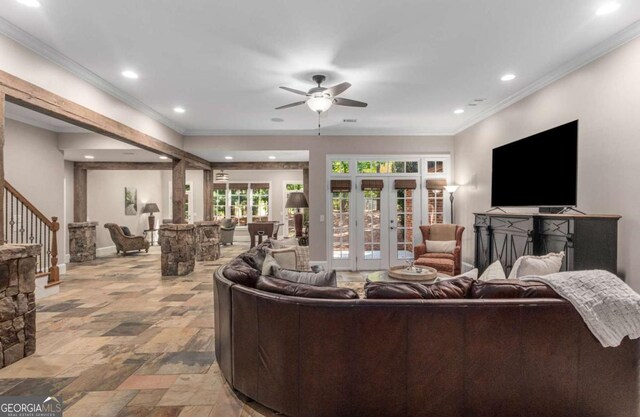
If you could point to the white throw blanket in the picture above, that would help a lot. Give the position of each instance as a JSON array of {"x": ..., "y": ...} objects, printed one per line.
[{"x": 609, "y": 307}]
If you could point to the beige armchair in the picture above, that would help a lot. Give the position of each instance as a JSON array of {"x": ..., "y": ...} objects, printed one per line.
[
  {"x": 125, "y": 243},
  {"x": 448, "y": 263}
]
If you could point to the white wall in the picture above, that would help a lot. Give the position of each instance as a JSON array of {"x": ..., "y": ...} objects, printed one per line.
[
  {"x": 605, "y": 97},
  {"x": 105, "y": 201},
  {"x": 35, "y": 167},
  {"x": 319, "y": 147}
]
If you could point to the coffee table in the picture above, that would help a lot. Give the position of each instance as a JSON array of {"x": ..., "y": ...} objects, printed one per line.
[{"x": 383, "y": 276}]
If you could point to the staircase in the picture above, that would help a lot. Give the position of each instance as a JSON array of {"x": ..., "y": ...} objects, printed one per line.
[{"x": 24, "y": 223}]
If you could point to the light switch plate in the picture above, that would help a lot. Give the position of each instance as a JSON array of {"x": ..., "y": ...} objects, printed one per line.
[{"x": 322, "y": 218}]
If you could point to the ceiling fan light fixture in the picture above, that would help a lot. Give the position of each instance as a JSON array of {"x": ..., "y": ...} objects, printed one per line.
[{"x": 319, "y": 104}]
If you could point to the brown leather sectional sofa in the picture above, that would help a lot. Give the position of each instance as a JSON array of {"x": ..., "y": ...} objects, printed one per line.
[{"x": 442, "y": 358}]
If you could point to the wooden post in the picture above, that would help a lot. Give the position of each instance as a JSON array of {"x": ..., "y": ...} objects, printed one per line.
[
  {"x": 305, "y": 182},
  {"x": 207, "y": 181},
  {"x": 54, "y": 270},
  {"x": 178, "y": 179},
  {"x": 79, "y": 194},
  {"x": 2, "y": 168}
]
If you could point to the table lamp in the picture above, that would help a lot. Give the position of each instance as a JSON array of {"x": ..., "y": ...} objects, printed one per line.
[
  {"x": 151, "y": 208},
  {"x": 297, "y": 200}
]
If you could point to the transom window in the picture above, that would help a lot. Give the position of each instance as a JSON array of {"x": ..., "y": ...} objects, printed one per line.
[{"x": 388, "y": 167}]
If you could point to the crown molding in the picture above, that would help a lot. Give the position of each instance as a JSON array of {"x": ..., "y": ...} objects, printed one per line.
[
  {"x": 314, "y": 132},
  {"x": 626, "y": 35},
  {"x": 36, "y": 45}
]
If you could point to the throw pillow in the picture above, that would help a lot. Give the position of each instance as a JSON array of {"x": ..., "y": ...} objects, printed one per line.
[
  {"x": 284, "y": 243},
  {"x": 285, "y": 258},
  {"x": 512, "y": 288},
  {"x": 537, "y": 265},
  {"x": 255, "y": 256},
  {"x": 494, "y": 271},
  {"x": 322, "y": 279},
  {"x": 241, "y": 273},
  {"x": 448, "y": 289},
  {"x": 304, "y": 258},
  {"x": 281, "y": 286},
  {"x": 440, "y": 246},
  {"x": 125, "y": 230},
  {"x": 269, "y": 265}
]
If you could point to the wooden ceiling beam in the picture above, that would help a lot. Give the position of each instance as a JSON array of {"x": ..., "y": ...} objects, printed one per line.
[
  {"x": 31, "y": 96},
  {"x": 130, "y": 166},
  {"x": 230, "y": 166}
]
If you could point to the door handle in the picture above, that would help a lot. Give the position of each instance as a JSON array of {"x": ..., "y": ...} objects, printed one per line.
[{"x": 391, "y": 227}]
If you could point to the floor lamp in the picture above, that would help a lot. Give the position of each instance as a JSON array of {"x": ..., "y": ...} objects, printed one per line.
[
  {"x": 451, "y": 189},
  {"x": 297, "y": 200}
]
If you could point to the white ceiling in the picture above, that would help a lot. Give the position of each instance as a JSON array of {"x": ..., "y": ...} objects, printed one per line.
[{"x": 413, "y": 61}]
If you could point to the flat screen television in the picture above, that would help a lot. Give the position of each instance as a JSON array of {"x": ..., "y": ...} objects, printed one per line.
[{"x": 537, "y": 171}]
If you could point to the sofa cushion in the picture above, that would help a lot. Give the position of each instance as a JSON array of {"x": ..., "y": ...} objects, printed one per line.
[
  {"x": 241, "y": 273},
  {"x": 126, "y": 231},
  {"x": 512, "y": 288},
  {"x": 440, "y": 246},
  {"x": 437, "y": 255},
  {"x": 281, "y": 286},
  {"x": 322, "y": 278},
  {"x": 448, "y": 289},
  {"x": 537, "y": 265}
]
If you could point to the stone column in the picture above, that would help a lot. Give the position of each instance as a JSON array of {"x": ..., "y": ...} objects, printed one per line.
[
  {"x": 207, "y": 241},
  {"x": 17, "y": 302},
  {"x": 178, "y": 248},
  {"x": 82, "y": 241}
]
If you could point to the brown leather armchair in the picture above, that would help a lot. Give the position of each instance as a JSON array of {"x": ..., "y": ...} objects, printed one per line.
[{"x": 449, "y": 263}]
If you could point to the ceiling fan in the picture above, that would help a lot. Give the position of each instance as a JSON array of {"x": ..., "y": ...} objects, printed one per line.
[{"x": 320, "y": 99}]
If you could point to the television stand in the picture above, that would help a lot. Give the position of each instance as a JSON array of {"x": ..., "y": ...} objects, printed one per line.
[
  {"x": 496, "y": 208},
  {"x": 571, "y": 209}
]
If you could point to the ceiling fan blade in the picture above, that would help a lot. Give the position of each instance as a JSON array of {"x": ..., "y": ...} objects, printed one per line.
[
  {"x": 350, "y": 103},
  {"x": 286, "y": 106},
  {"x": 337, "y": 89},
  {"x": 293, "y": 90}
]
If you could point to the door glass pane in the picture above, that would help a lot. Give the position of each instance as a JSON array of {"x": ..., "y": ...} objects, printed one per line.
[
  {"x": 340, "y": 222},
  {"x": 238, "y": 206},
  {"x": 260, "y": 205},
  {"x": 372, "y": 213},
  {"x": 435, "y": 206},
  {"x": 404, "y": 208},
  {"x": 219, "y": 204}
]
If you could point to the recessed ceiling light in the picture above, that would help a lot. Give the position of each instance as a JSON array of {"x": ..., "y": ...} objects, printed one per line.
[
  {"x": 607, "y": 8},
  {"x": 163, "y": 157},
  {"x": 272, "y": 157},
  {"x": 89, "y": 157},
  {"x": 179, "y": 109},
  {"x": 228, "y": 157},
  {"x": 130, "y": 74},
  {"x": 458, "y": 111},
  {"x": 30, "y": 3},
  {"x": 508, "y": 77}
]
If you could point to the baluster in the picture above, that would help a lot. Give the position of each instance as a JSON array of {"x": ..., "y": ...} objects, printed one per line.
[{"x": 54, "y": 272}]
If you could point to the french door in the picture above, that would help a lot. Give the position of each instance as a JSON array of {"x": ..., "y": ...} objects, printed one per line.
[{"x": 387, "y": 220}]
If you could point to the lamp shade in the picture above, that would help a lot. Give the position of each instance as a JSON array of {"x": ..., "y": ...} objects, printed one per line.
[
  {"x": 451, "y": 188},
  {"x": 296, "y": 200},
  {"x": 150, "y": 208}
]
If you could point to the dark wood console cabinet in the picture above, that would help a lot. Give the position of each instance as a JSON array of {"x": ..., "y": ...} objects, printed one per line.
[{"x": 589, "y": 241}]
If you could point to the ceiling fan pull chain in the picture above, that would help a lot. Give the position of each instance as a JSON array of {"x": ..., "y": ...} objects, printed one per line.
[{"x": 318, "y": 124}]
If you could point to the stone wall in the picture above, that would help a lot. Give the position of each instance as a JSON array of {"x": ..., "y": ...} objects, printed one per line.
[
  {"x": 17, "y": 302},
  {"x": 82, "y": 241},
  {"x": 178, "y": 248},
  {"x": 208, "y": 241}
]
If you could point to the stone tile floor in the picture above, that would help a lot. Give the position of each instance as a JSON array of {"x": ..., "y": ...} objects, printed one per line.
[{"x": 119, "y": 340}]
